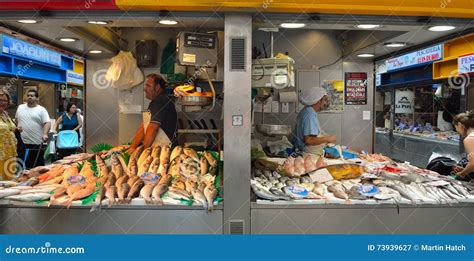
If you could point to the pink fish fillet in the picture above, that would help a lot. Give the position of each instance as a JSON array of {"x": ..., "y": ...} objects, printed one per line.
[
  {"x": 289, "y": 166},
  {"x": 299, "y": 166},
  {"x": 310, "y": 163}
]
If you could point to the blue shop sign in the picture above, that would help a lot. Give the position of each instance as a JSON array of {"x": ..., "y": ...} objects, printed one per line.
[
  {"x": 75, "y": 78},
  {"x": 20, "y": 48},
  {"x": 423, "y": 56}
]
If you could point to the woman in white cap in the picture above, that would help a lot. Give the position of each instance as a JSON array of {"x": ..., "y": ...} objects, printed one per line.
[{"x": 310, "y": 137}]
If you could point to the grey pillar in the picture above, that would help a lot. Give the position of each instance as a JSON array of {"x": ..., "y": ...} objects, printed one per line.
[{"x": 237, "y": 122}]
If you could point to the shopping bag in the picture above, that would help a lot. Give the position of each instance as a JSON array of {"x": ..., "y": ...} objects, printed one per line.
[{"x": 124, "y": 73}]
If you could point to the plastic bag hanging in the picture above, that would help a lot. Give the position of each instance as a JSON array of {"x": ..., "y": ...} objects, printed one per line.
[{"x": 124, "y": 73}]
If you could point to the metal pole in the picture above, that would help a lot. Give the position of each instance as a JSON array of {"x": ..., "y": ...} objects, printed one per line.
[
  {"x": 392, "y": 114},
  {"x": 237, "y": 124},
  {"x": 271, "y": 45}
]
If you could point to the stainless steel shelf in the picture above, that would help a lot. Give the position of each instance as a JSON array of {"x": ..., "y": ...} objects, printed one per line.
[{"x": 193, "y": 131}]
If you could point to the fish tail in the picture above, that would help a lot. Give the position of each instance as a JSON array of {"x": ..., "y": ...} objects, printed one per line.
[
  {"x": 69, "y": 203},
  {"x": 51, "y": 200},
  {"x": 210, "y": 207},
  {"x": 100, "y": 204}
]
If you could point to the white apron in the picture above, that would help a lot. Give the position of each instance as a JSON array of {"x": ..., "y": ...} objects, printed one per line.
[{"x": 161, "y": 138}]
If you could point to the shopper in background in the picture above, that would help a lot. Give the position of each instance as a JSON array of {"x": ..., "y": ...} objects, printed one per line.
[
  {"x": 310, "y": 137},
  {"x": 464, "y": 124},
  {"x": 8, "y": 162},
  {"x": 160, "y": 121},
  {"x": 70, "y": 120},
  {"x": 35, "y": 121}
]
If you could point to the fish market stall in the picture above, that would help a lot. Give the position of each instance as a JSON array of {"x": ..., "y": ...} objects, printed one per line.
[
  {"x": 356, "y": 193},
  {"x": 176, "y": 189},
  {"x": 153, "y": 190},
  {"x": 416, "y": 102}
]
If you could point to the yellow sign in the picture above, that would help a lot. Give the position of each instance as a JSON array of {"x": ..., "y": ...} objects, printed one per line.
[{"x": 442, "y": 8}]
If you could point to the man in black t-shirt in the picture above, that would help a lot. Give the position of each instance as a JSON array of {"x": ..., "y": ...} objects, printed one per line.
[{"x": 162, "y": 124}]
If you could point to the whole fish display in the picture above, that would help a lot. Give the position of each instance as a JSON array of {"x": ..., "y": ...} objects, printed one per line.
[
  {"x": 210, "y": 192},
  {"x": 117, "y": 169},
  {"x": 165, "y": 155},
  {"x": 135, "y": 190},
  {"x": 110, "y": 180},
  {"x": 98, "y": 199},
  {"x": 155, "y": 165},
  {"x": 176, "y": 152},
  {"x": 122, "y": 192},
  {"x": 103, "y": 170},
  {"x": 156, "y": 174},
  {"x": 9, "y": 192},
  {"x": 144, "y": 156},
  {"x": 110, "y": 194},
  {"x": 30, "y": 197},
  {"x": 155, "y": 152},
  {"x": 81, "y": 193},
  {"x": 191, "y": 153},
  {"x": 199, "y": 196},
  {"x": 121, "y": 180},
  {"x": 144, "y": 165},
  {"x": 146, "y": 191},
  {"x": 157, "y": 192},
  {"x": 114, "y": 150},
  {"x": 338, "y": 190},
  {"x": 392, "y": 181}
]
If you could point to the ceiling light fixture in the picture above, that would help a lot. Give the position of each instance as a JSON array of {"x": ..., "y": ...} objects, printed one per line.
[
  {"x": 168, "y": 22},
  {"x": 395, "y": 44},
  {"x": 292, "y": 25},
  {"x": 441, "y": 28},
  {"x": 367, "y": 26},
  {"x": 98, "y": 22},
  {"x": 95, "y": 51},
  {"x": 28, "y": 21},
  {"x": 365, "y": 55},
  {"x": 68, "y": 39}
]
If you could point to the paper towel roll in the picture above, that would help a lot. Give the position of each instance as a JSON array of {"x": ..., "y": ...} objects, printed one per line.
[{"x": 288, "y": 97}]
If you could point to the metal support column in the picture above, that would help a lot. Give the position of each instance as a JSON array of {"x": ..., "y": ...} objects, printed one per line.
[
  {"x": 237, "y": 122},
  {"x": 392, "y": 113}
]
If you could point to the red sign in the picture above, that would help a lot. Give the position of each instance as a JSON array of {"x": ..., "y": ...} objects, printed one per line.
[
  {"x": 58, "y": 5},
  {"x": 355, "y": 89}
]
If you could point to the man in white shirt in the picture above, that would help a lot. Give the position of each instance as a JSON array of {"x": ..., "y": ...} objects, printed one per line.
[{"x": 35, "y": 121}]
